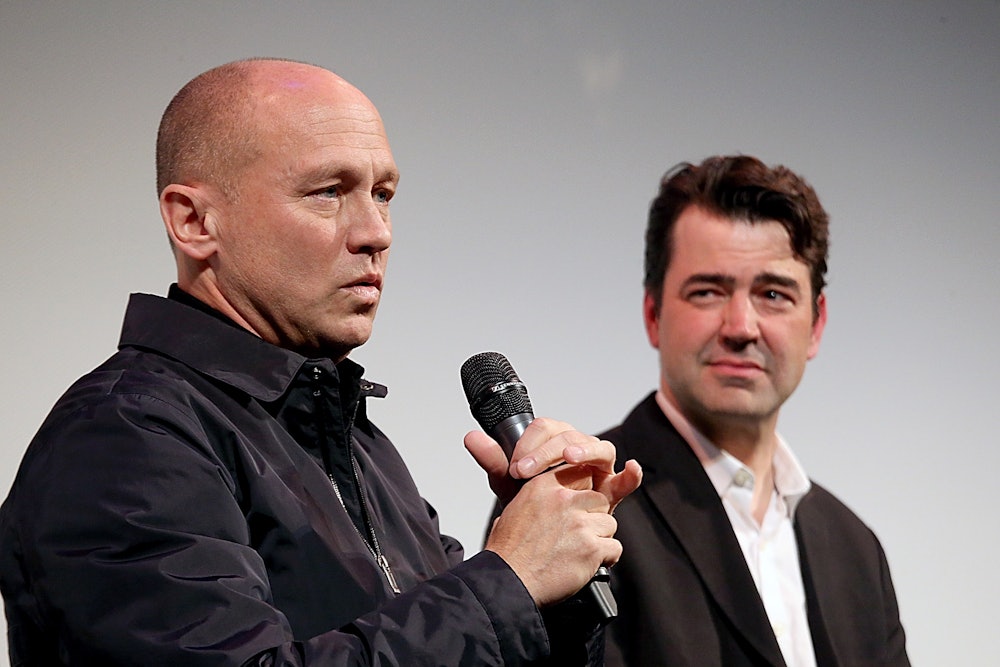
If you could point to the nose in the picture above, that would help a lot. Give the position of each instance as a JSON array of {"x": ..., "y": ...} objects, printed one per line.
[
  {"x": 739, "y": 323},
  {"x": 370, "y": 229}
]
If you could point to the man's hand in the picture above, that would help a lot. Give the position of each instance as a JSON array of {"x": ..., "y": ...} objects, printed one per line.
[
  {"x": 556, "y": 528},
  {"x": 547, "y": 443}
]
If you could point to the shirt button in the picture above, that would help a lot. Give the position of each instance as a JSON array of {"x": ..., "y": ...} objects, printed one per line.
[
  {"x": 779, "y": 630},
  {"x": 742, "y": 478}
]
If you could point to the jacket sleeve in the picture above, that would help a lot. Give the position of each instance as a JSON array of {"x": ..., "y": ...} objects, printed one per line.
[
  {"x": 576, "y": 633},
  {"x": 133, "y": 546},
  {"x": 853, "y": 611},
  {"x": 895, "y": 646}
]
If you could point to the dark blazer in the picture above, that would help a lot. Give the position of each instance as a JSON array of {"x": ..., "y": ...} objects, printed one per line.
[{"x": 685, "y": 594}]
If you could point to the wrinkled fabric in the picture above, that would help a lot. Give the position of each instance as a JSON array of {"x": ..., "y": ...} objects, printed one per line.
[{"x": 174, "y": 509}]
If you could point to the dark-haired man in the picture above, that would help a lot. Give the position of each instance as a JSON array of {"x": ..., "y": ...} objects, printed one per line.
[
  {"x": 732, "y": 555},
  {"x": 215, "y": 494}
]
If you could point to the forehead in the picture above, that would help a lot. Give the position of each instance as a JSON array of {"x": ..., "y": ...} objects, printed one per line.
[
  {"x": 317, "y": 112},
  {"x": 703, "y": 242},
  {"x": 352, "y": 126}
]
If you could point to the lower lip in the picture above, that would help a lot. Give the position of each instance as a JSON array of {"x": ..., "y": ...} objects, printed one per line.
[
  {"x": 736, "y": 371},
  {"x": 366, "y": 292}
]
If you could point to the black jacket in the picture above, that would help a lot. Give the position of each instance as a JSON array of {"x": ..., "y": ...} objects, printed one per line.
[
  {"x": 685, "y": 594},
  {"x": 176, "y": 508}
]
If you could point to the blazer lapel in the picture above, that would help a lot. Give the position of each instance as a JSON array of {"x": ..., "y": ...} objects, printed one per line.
[{"x": 681, "y": 492}]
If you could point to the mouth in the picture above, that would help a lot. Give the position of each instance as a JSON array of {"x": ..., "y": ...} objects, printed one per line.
[
  {"x": 736, "y": 367},
  {"x": 368, "y": 287}
]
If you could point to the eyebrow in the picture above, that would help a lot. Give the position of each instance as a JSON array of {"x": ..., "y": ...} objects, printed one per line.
[
  {"x": 389, "y": 176},
  {"x": 768, "y": 278},
  {"x": 340, "y": 171},
  {"x": 727, "y": 281},
  {"x": 720, "y": 279}
]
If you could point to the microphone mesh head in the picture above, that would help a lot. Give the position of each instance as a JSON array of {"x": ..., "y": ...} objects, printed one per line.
[{"x": 493, "y": 389}]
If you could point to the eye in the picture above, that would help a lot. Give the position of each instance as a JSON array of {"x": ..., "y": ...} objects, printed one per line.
[
  {"x": 704, "y": 295},
  {"x": 382, "y": 196},
  {"x": 329, "y": 192},
  {"x": 776, "y": 299}
]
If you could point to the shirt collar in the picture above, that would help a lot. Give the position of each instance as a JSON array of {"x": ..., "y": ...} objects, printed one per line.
[{"x": 725, "y": 470}]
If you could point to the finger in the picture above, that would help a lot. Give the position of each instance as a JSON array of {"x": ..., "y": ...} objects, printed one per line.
[
  {"x": 613, "y": 552},
  {"x": 606, "y": 525},
  {"x": 539, "y": 450},
  {"x": 589, "y": 451},
  {"x": 576, "y": 478},
  {"x": 534, "y": 446},
  {"x": 594, "y": 502},
  {"x": 617, "y": 487},
  {"x": 605, "y": 547},
  {"x": 487, "y": 453},
  {"x": 603, "y": 527},
  {"x": 621, "y": 485}
]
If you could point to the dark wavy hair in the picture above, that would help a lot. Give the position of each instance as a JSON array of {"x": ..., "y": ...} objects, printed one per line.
[{"x": 738, "y": 187}]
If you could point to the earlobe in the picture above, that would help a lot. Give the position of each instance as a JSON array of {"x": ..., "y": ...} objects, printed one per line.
[
  {"x": 651, "y": 318},
  {"x": 188, "y": 219}
]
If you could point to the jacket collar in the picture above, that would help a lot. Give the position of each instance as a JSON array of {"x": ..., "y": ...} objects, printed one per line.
[{"x": 212, "y": 346}]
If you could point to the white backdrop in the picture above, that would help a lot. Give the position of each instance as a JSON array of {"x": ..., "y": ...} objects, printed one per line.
[{"x": 531, "y": 136}]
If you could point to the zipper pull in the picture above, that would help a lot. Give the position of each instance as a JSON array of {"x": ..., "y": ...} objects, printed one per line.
[{"x": 384, "y": 564}]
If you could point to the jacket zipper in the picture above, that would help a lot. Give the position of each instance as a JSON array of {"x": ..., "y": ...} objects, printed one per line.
[{"x": 372, "y": 540}]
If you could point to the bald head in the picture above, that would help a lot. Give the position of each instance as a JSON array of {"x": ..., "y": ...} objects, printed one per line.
[
  {"x": 211, "y": 130},
  {"x": 275, "y": 179}
]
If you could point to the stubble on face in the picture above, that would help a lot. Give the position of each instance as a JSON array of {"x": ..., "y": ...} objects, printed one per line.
[
  {"x": 734, "y": 327},
  {"x": 305, "y": 242}
]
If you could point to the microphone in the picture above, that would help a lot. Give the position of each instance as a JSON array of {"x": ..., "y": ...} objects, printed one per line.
[{"x": 499, "y": 402}]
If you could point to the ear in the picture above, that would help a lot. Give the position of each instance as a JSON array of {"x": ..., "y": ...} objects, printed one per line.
[
  {"x": 190, "y": 220},
  {"x": 651, "y": 318},
  {"x": 818, "y": 325}
]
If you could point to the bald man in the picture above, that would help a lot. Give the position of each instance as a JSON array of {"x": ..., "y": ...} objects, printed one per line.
[{"x": 215, "y": 494}]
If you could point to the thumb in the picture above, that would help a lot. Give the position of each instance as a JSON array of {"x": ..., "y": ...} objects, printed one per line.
[
  {"x": 487, "y": 453},
  {"x": 491, "y": 458}
]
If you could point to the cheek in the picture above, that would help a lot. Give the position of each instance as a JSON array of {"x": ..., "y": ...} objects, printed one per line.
[
  {"x": 680, "y": 347},
  {"x": 692, "y": 329},
  {"x": 792, "y": 346},
  {"x": 296, "y": 247}
]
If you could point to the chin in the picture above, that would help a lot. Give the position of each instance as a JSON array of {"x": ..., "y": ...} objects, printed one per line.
[
  {"x": 342, "y": 343},
  {"x": 737, "y": 407}
]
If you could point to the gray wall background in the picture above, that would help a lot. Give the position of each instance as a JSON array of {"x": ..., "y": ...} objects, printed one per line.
[{"x": 531, "y": 136}]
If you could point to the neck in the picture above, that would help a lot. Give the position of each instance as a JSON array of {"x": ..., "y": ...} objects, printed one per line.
[
  {"x": 754, "y": 446},
  {"x": 206, "y": 291}
]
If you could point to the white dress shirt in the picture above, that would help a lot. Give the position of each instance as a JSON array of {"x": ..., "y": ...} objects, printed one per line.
[{"x": 769, "y": 548}]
